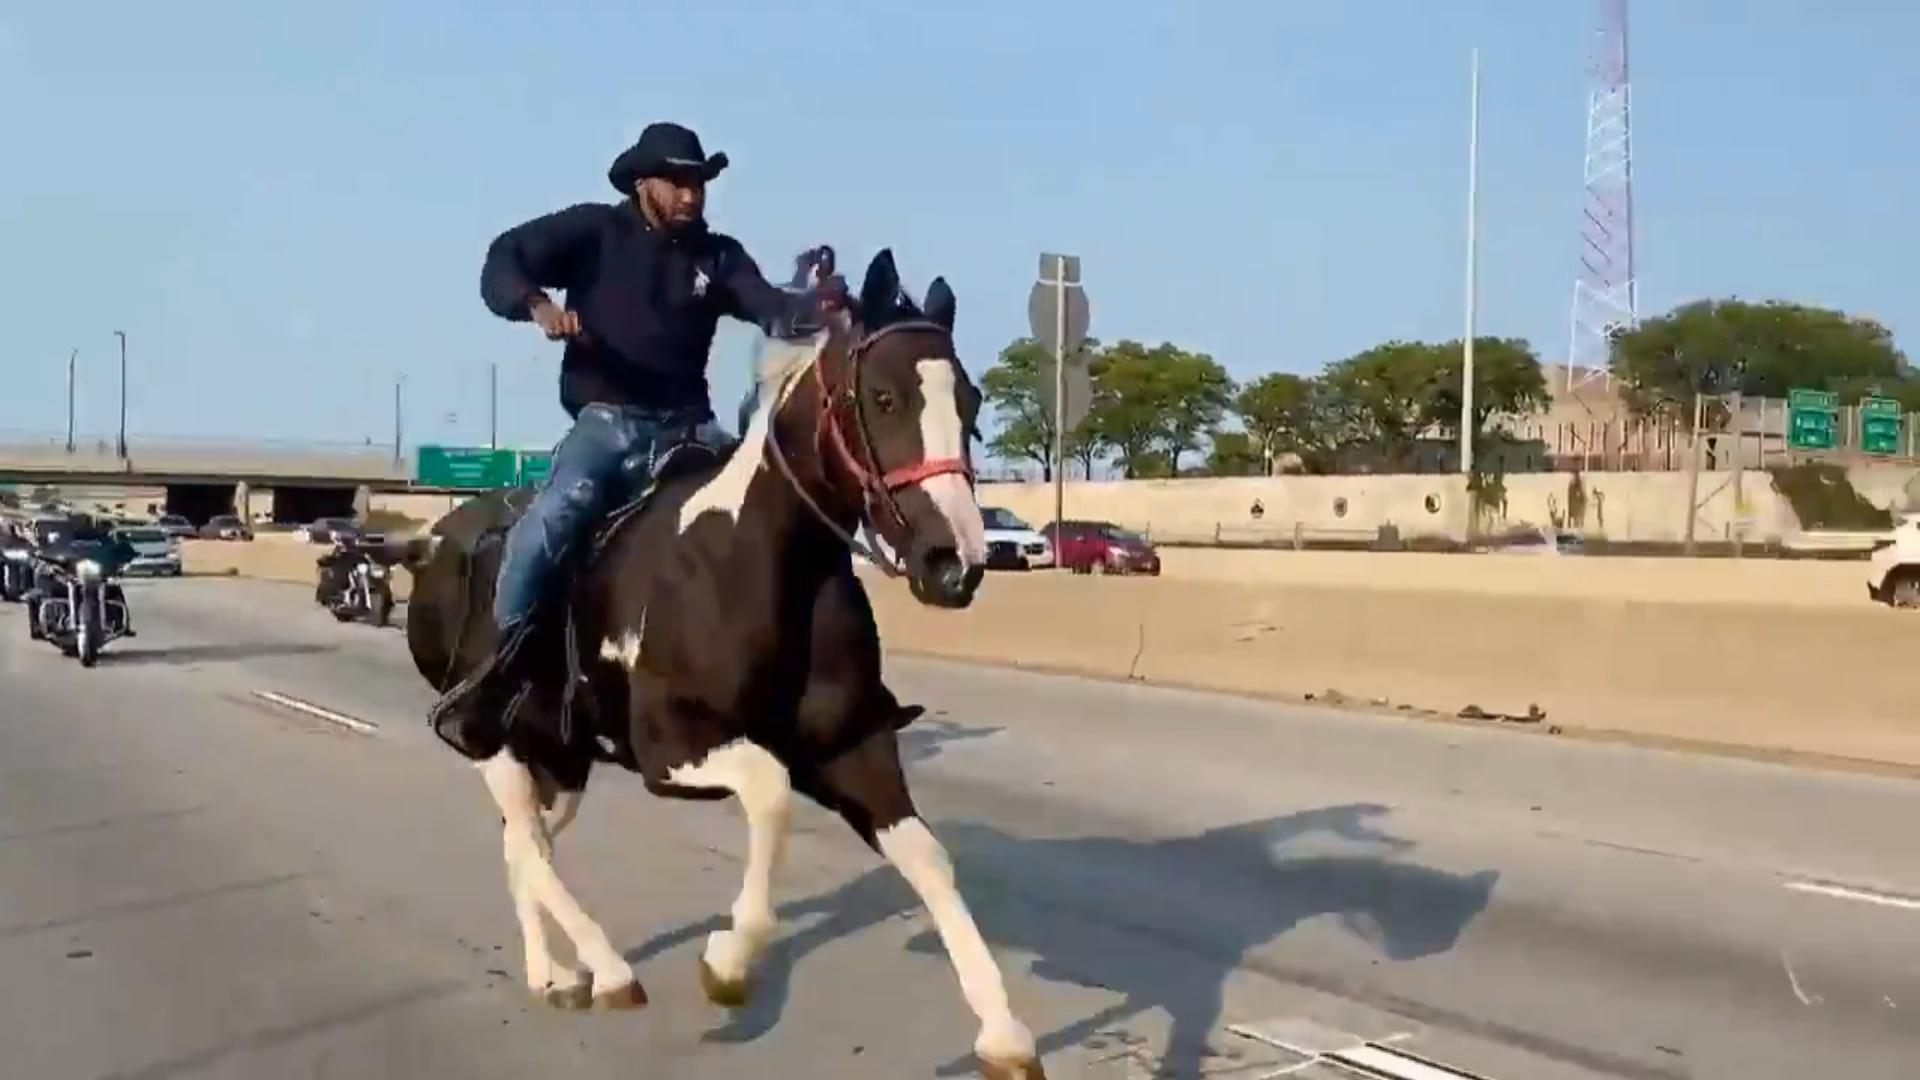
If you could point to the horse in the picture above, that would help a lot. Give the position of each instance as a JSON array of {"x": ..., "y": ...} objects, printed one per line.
[{"x": 717, "y": 642}]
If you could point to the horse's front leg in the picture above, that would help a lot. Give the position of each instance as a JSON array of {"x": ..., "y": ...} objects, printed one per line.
[
  {"x": 869, "y": 789},
  {"x": 760, "y": 782},
  {"x": 527, "y": 846}
]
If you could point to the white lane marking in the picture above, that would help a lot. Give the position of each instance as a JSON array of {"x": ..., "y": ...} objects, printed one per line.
[
  {"x": 353, "y": 724},
  {"x": 1851, "y": 892},
  {"x": 1793, "y": 981},
  {"x": 1379, "y": 1061}
]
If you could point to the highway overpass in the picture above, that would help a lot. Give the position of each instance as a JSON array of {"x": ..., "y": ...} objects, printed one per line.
[{"x": 263, "y": 480}]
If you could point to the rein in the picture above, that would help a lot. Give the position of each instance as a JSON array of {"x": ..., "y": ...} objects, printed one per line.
[{"x": 876, "y": 485}]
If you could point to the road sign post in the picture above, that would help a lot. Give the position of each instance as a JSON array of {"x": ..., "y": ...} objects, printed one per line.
[{"x": 1059, "y": 317}]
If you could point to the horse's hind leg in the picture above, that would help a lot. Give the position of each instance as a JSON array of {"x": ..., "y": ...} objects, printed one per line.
[
  {"x": 528, "y": 849},
  {"x": 868, "y": 788},
  {"x": 766, "y": 797}
]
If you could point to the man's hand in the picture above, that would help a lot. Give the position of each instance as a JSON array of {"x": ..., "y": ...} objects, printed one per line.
[
  {"x": 832, "y": 291},
  {"x": 555, "y": 321}
]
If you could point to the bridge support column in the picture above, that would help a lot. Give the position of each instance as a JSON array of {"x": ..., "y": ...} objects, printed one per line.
[
  {"x": 243, "y": 502},
  {"x": 362, "y": 502}
]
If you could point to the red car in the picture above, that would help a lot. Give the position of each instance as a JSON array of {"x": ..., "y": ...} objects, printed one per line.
[{"x": 1101, "y": 547}]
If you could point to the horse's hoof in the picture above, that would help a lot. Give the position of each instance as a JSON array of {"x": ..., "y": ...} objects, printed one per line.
[
  {"x": 628, "y": 996},
  {"x": 1025, "y": 1069},
  {"x": 571, "y": 998},
  {"x": 726, "y": 993}
]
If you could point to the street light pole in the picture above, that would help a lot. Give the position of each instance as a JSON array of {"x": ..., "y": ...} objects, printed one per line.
[
  {"x": 121, "y": 445},
  {"x": 71, "y": 358},
  {"x": 1473, "y": 273},
  {"x": 493, "y": 405},
  {"x": 396, "y": 419}
]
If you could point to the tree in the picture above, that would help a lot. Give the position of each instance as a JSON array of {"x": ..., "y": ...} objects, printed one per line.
[
  {"x": 1507, "y": 381},
  {"x": 1765, "y": 349},
  {"x": 1195, "y": 393},
  {"x": 1278, "y": 411},
  {"x": 1012, "y": 387},
  {"x": 1151, "y": 405},
  {"x": 1127, "y": 406},
  {"x": 1382, "y": 396},
  {"x": 1235, "y": 453}
]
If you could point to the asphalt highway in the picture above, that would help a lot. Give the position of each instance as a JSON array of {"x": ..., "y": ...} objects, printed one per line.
[{"x": 198, "y": 881}]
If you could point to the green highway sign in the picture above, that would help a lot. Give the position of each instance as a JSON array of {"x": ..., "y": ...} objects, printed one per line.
[
  {"x": 1813, "y": 399},
  {"x": 535, "y": 467},
  {"x": 1810, "y": 416},
  {"x": 465, "y": 467},
  {"x": 1880, "y": 426}
]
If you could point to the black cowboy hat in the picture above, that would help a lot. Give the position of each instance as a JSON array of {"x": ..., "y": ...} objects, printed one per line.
[{"x": 663, "y": 149}]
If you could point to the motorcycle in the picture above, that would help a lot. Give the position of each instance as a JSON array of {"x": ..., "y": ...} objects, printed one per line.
[
  {"x": 353, "y": 584},
  {"x": 76, "y": 604}
]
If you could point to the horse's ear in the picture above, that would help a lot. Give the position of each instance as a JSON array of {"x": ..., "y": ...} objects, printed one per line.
[
  {"x": 880, "y": 293},
  {"x": 940, "y": 304}
]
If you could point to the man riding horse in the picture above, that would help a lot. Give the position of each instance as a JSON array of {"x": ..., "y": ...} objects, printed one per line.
[{"x": 646, "y": 282}]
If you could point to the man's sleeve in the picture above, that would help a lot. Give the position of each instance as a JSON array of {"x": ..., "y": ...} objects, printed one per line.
[
  {"x": 550, "y": 252},
  {"x": 750, "y": 298}
]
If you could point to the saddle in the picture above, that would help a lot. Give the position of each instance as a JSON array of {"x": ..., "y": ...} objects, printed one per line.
[{"x": 674, "y": 457}]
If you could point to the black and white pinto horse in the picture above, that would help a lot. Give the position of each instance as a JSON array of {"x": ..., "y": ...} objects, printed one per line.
[{"x": 717, "y": 642}]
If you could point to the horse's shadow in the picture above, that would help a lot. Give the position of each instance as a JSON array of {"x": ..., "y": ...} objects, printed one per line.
[{"x": 1163, "y": 923}]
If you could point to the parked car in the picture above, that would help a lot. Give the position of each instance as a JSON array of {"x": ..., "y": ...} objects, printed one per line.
[
  {"x": 154, "y": 552},
  {"x": 225, "y": 527},
  {"x": 330, "y": 530},
  {"x": 1893, "y": 569},
  {"x": 176, "y": 526},
  {"x": 1012, "y": 544},
  {"x": 1539, "y": 541},
  {"x": 1101, "y": 547}
]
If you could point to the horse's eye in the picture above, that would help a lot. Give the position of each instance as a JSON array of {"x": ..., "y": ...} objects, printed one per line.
[{"x": 884, "y": 399}]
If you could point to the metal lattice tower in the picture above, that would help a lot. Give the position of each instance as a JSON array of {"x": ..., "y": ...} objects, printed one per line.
[{"x": 1605, "y": 294}]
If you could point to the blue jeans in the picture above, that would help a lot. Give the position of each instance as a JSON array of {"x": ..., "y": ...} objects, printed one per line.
[{"x": 604, "y": 460}]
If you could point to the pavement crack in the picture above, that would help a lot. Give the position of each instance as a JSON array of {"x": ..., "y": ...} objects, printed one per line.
[
  {"x": 27, "y": 835},
  {"x": 141, "y": 907}
]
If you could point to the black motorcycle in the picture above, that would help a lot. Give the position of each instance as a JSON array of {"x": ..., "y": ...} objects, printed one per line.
[
  {"x": 76, "y": 603},
  {"x": 355, "y": 583}
]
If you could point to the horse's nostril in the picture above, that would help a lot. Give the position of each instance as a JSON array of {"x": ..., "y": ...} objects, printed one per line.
[{"x": 946, "y": 570}]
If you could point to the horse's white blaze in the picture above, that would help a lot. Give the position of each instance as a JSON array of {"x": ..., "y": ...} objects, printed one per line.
[
  {"x": 765, "y": 794},
  {"x": 535, "y": 885},
  {"x": 726, "y": 493},
  {"x": 911, "y": 847},
  {"x": 943, "y": 436}
]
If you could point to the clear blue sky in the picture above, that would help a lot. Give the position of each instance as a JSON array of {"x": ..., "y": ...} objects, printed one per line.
[{"x": 284, "y": 210}]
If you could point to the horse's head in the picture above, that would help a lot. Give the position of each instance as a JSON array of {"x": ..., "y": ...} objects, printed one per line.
[{"x": 896, "y": 414}]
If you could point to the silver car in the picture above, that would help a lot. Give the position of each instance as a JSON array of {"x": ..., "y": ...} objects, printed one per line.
[{"x": 154, "y": 551}]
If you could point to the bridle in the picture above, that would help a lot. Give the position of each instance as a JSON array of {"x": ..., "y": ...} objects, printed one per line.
[{"x": 840, "y": 407}]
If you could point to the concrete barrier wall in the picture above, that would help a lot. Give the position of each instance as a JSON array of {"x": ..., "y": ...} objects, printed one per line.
[
  {"x": 1778, "y": 656},
  {"x": 1624, "y": 507},
  {"x": 1818, "y": 680}
]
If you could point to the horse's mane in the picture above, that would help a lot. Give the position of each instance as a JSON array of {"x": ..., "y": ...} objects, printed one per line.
[{"x": 780, "y": 358}]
